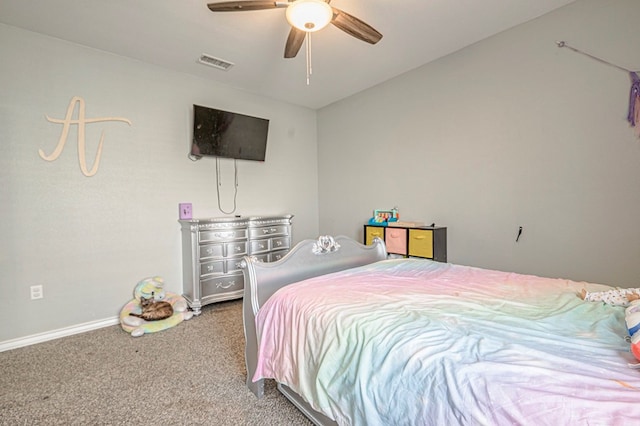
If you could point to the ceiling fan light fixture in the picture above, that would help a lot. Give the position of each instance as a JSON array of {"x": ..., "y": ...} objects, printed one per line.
[{"x": 309, "y": 15}]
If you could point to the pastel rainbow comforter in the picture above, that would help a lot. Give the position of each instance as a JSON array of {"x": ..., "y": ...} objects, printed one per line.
[{"x": 415, "y": 342}]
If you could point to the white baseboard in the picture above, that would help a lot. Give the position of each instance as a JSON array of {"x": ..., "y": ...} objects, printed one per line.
[{"x": 56, "y": 334}]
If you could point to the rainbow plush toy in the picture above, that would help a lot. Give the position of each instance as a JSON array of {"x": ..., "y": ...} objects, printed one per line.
[
  {"x": 152, "y": 287},
  {"x": 632, "y": 319}
]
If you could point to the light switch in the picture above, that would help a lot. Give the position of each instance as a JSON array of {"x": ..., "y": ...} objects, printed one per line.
[{"x": 185, "y": 210}]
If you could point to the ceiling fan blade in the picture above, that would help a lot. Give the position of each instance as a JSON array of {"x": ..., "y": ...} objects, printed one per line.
[
  {"x": 355, "y": 27},
  {"x": 294, "y": 42},
  {"x": 235, "y": 6}
]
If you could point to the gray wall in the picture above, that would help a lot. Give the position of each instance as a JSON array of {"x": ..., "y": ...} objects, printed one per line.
[
  {"x": 509, "y": 132},
  {"x": 88, "y": 240}
]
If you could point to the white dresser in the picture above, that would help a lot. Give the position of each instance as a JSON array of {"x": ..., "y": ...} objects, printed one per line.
[{"x": 212, "y": 250}]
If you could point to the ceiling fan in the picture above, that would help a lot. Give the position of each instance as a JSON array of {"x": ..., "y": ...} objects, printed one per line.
[{"x": 305, "y": 16}]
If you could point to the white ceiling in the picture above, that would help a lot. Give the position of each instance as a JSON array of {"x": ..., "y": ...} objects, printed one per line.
[{"x": 174, "y": 33}]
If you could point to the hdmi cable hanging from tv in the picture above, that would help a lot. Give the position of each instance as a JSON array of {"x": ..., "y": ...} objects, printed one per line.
[{"x": 219, "y": 184}]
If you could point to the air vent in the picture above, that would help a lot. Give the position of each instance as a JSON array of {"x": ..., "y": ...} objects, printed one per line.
[{"x": 215, "y": 62}]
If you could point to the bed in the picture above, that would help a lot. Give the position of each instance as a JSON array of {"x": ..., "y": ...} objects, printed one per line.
[{"x": 354, "y": 338}]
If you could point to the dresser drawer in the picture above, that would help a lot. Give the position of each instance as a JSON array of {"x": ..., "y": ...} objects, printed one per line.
[
  {"x": 268, "y": 244},
  {"x": 238, "y": 248},
  {"x": 212, "y": 267},
  {"x": 262, "y": 257},
  {"x": 277, "y": 255},
  {"x": 221, "y": 284},
  {"x": 280, "y": 243},
  {"x": 222, "y": 235},
  {"x": 268, "y": 231},
  {"x": 234, "y": 264},
  {"x": 208, "y": 251},
  {"x": 259, "y": 246},
  {"x": 421, "y": 243}
]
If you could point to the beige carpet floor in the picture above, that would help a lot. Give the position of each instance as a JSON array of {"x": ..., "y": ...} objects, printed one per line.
[{"x": 191, "y": 374}]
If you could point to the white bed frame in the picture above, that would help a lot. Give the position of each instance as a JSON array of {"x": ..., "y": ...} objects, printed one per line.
[{"x": 307, "y": 259}]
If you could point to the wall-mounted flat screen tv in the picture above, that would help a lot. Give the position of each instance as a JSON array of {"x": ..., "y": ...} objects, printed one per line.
[{"x": 228, "y": 134}]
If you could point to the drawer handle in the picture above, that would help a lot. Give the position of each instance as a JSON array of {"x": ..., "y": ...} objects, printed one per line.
[
  {"x": 224, "y": 234},
  {"x": 278, "y": 243},
  {"x": 419, "y": 238},
  {"x": 222, "y": 284},
  {"x": 238, "y": 249}
]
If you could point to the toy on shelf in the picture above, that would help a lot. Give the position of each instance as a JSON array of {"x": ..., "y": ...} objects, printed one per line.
[{"x": 384, "y": 217}]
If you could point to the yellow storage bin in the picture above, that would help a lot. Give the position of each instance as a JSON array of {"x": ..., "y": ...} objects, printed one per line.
[
  {"x": 372, "y": 232},
  {"x": 421, "y": 243}
]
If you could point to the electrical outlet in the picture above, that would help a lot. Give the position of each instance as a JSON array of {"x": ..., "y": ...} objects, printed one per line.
[
  {"x": 36, "y": 292},
  {"x": 185, "y": 210}
]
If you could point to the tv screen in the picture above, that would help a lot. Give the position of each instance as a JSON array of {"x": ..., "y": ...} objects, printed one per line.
[{"x": 227, "y": 134}]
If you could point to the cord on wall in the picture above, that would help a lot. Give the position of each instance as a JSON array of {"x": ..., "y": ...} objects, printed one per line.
[{"x": 219, "y": 184}]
